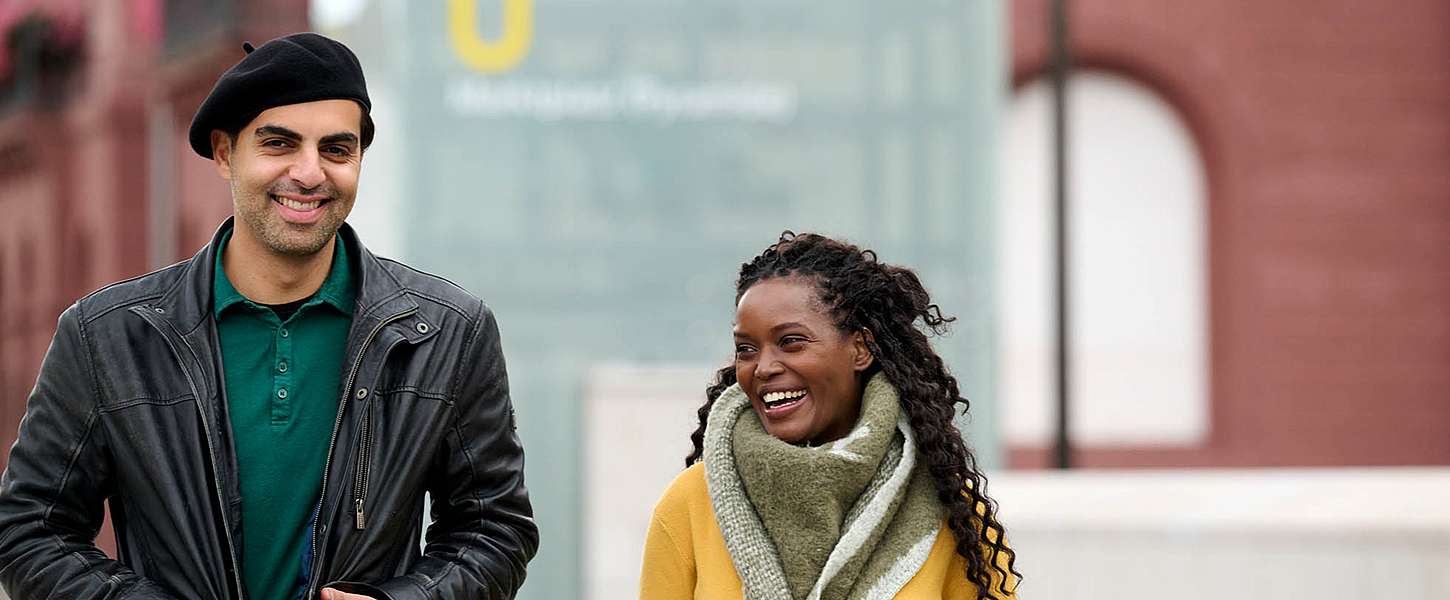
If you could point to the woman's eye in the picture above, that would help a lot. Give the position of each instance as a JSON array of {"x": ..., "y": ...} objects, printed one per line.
[
  {"x": 791, "y": 341},
  {"x": 743, "y": 349}
]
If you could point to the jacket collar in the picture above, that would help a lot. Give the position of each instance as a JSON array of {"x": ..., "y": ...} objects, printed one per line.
[
  {"x": 337, "y": 289},
  {"x": 188, "y": 302}
]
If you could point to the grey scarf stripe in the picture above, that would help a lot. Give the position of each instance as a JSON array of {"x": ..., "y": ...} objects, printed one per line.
[
  {"x": 887, "y": 534},
  {"x": 761, "y": 574}
]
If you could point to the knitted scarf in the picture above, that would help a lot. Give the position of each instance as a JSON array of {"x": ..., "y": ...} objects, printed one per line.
[{"x": 853, "y": 519}]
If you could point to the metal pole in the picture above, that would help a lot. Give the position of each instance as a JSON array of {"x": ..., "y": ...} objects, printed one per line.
[{"x": 1057, "y": 29}]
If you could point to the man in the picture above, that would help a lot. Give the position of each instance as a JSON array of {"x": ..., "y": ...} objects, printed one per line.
[{"x": 266, "y": 417}]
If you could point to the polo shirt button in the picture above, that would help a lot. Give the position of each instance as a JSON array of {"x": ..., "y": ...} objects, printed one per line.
[
  {"x": 282, "y": 393},
  {"x": 282, "y": 367},
  {"x": 283, "y": 333}
]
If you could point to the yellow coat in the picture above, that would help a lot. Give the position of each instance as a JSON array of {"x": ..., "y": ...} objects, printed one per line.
[{"x": 685, "y": 555}]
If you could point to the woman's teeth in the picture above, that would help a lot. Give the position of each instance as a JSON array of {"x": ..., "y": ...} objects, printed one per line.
[{"x": 783, "y": 397}]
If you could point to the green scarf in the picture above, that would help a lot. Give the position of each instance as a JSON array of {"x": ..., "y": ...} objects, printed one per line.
[{"x": 853, "y": 519}]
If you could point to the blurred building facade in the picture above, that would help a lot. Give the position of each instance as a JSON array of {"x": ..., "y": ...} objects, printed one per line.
[
  {"x": 1295, "y": 152},
  {"x": 1323, "y": 133},
  {"x": 96, "y": 179},
  {"x": 598, "y": 170}
]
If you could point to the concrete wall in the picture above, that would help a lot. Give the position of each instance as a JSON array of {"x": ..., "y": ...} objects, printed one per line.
[
  {"x": 1325, "y": 534},
  {"x": 637, "y": 423}
]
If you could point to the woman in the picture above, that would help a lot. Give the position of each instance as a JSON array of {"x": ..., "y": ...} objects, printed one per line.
[{"x": 826, "y": 464}]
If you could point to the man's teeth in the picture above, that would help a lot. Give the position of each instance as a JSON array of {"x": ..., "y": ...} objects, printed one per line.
[
  {"x": 295, "y": 205},
  {"x": 782, "y": 396}
]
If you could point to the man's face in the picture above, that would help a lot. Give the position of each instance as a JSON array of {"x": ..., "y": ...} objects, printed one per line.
[{"x": 293, "y": 172}]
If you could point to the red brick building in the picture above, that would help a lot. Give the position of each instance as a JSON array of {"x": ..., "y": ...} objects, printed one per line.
[
  {"x": 97, "y": 183},
  {"x": 1324, "y": 128}
]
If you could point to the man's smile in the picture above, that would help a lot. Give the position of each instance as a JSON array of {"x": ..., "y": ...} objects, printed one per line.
[{"x": 299, "y": 209}]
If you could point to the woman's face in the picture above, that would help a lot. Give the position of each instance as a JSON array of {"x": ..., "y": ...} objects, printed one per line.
[{"x": 801, "y": 373}]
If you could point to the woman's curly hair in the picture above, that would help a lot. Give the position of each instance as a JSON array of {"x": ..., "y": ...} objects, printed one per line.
[{"x": 888, "y": 301}]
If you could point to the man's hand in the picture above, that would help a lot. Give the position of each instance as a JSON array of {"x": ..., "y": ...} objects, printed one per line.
[{"x": 331, "y": 594}]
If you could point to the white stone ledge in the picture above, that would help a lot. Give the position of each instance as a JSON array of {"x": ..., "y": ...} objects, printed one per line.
[{"x": 1326, "y": 534}]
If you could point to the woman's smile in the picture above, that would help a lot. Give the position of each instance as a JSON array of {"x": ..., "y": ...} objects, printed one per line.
[{"x": 779, "y": 405}]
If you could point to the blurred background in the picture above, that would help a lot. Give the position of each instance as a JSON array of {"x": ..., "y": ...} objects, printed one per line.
[{"x": 1258, "y": 218}]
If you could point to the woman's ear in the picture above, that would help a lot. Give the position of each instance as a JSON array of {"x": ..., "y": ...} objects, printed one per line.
[{"x": 861, "y": 352}]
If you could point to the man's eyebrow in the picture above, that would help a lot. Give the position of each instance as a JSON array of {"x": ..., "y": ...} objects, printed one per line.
[
  {"x": 279, "y": 131},
  {"x": 345, "y": 137}
]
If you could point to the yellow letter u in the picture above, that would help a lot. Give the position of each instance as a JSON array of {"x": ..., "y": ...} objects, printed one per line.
[{"x": 496, "y": 56}]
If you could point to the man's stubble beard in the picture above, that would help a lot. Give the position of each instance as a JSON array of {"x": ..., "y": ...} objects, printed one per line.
[{"x": 279, "y": 236}]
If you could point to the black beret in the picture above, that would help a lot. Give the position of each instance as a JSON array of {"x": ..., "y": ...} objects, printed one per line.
[{"x": 302, "y": 67}]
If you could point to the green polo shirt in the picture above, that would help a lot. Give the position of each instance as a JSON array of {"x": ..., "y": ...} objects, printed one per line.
[{"x": 282, "y": 380}]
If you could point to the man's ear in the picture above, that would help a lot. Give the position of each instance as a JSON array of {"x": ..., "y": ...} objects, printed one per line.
[
  {"x": 221, "y": 153},
  {"x": 861, "y": 353}
]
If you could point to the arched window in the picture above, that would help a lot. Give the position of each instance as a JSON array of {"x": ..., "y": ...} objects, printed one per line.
[{"x": 1136, "y": 261}]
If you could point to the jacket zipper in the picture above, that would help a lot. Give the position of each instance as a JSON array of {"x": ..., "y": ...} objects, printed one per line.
[
  {"x": 364, "y": 456},
  {"x": 365, "y": 451},
  {"x": 210, "y": 449},
  {"x": 332, "y": 443}
]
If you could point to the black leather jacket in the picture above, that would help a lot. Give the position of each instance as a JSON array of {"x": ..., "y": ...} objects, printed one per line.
[{"x": 130, "y": 406}]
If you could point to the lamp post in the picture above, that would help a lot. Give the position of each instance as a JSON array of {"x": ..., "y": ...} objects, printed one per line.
[{"x": 1060, "y": 64}]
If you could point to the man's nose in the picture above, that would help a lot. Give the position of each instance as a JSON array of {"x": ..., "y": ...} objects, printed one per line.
[{"x": 307, "y": 171}]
